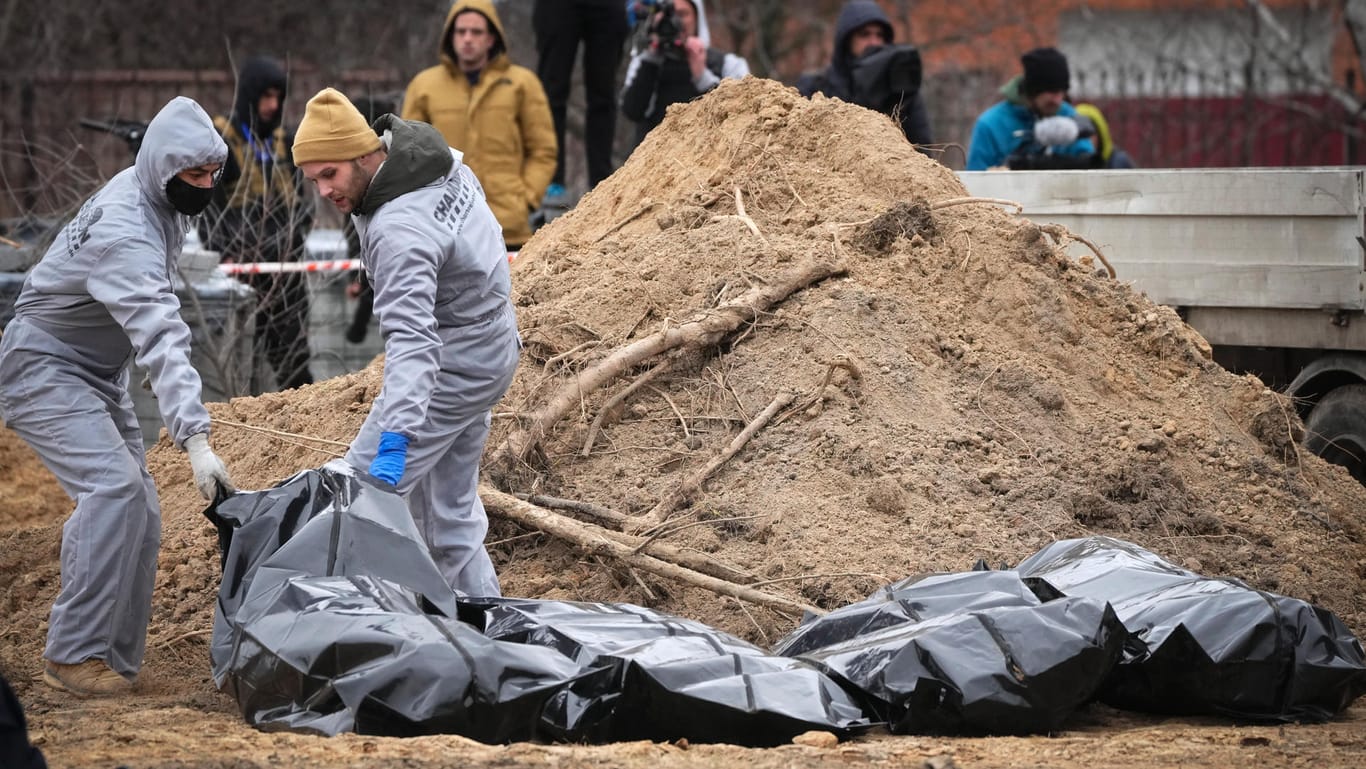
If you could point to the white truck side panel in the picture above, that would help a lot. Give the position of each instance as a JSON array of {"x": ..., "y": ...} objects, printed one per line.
[{"x": 1247, "y": 238}]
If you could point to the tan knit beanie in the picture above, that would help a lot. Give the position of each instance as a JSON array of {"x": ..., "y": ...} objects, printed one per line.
[{"x": 332, "y": 130}]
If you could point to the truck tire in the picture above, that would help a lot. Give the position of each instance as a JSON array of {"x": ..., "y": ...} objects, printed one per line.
[{"x": 1336, "y": 429}]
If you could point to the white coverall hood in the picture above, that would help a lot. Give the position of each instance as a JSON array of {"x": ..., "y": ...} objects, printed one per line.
[{"x": 181, "y": 136}]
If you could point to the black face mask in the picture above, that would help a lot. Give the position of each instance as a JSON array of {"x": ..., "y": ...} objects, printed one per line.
[{"x": 187, "y": 198}]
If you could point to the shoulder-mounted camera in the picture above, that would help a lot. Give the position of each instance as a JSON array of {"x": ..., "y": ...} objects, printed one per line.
[{"x": 885, "y": 76}]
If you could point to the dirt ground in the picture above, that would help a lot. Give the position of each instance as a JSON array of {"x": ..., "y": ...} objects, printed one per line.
[{"x": 965, "y": 387}]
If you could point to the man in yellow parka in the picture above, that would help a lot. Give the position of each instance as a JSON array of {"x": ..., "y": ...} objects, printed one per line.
[{"x": 493, "y": 111}]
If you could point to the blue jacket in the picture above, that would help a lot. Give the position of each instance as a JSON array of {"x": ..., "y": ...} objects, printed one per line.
[{"x": 1007, "y": 125}]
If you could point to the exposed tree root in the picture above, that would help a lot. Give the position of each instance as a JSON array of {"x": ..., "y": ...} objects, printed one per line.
[
  {"x": 596, "y": 541},
  {"x": 666, "y": 506},
  {"x": 704, "y": 329},
  {"x": 686, "y": 558}
]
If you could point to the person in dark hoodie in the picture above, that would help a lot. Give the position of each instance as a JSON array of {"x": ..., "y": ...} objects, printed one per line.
[
  {"x": 861, "y": 32},
  {"x": 260, "y": 215},
  {"x": 435, "y": 257}
]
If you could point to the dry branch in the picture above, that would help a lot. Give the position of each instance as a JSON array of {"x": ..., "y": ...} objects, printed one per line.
[
  {"x": 595, "y": 541},
  {"x": 665, "y": 507},
  {"x": 704, "y": 329},
  {"x": 691, "y": 560},
  {"x": 1063, "y": 235},
  {"x": 661, "y": 531},
  {"x": 589, "y": 509},
  {"x": 646, "y": 206},
  {"x": 841, "y": 361},
  {"x": 949, "y": 203},
  {"x": 616, "y": 400},
  {"x": 744, "y": 217}
]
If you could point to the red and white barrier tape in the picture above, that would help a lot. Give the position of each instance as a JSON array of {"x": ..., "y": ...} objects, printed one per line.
[
  {"x": 323, "y": 265},
  {"x": 262, "y": 268}
]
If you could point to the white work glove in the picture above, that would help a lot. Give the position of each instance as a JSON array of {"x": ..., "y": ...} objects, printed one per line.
[
  {"x": 209, "y": 470},
  {"x": 1056, "y": 130}
]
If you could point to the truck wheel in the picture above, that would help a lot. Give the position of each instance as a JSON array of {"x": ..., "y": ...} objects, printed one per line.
[{"x": 1336, "y": 429}]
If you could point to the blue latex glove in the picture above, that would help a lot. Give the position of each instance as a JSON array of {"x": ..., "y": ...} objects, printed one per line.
[{"x": 393, "y": 455}]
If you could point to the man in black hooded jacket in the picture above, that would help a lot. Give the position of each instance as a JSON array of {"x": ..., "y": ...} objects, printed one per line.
[
  {"x": 862, "y": 30},
  {"x": 260, "y": 214}
]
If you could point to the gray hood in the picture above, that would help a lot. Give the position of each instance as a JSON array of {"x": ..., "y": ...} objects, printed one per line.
[{"x": 181, "y": 136}]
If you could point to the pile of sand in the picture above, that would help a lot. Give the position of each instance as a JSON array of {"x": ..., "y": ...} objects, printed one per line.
[{"x": 992, "y": 394}]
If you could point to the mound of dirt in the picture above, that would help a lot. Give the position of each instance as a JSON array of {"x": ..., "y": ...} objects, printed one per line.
[
  {"x": 967, "y": 389},
  {"x": 959, "y": 387}
]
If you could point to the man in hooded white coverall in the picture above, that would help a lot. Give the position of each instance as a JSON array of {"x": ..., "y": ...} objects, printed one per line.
[{"x": 100, "y": 297}]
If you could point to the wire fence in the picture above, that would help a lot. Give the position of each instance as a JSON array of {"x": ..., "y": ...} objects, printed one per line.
[
  {"x": 1164, "y": 117},
  {"x": 49, "y": 162}
]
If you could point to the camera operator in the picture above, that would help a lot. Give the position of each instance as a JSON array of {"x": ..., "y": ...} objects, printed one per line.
[
  {"x": 1020, "y": 132},
  {"x": 675, "y": 62},
  {"x": 868, "y": 70}
]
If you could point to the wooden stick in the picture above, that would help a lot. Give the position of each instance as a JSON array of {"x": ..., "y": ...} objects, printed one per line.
[
  {"x": 686, "y": 432},
  {"x": 840, "y": 361},
  {"x": 702, "y": 330},
  {"x": 276, "y": 433},
  {"x": 674, "y": 498},
  {"x": 577, "y": 348},
  {"x": 589, "y": 509},
  {"x": 184, "y": 637},
  {"x": 963, "y": 201},
  {"x": 800, "y": 577},
  {"x": 593, "y": 541},
  {"x": 663, "y": 532},
  {"x": 753, "y": 621},
  {"x": 1063, "y": 234},
  {"x": 744, "y": 217},
  {"x": 648, "y": 592},
  {"x": 690, "y": 560},
  {"x": 616, "y": 400},
  {"x": 645, "y": 207}
]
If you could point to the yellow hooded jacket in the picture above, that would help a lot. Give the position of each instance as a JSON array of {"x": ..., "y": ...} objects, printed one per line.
[{"x": 502, "y": 125}]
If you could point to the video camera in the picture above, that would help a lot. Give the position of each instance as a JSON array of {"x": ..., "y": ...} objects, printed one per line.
[
  {"x": 885, "y": 76},
  {"x": 131, "y": 131},
  {"x": 1036, "y": 153},
  {"x": 657, "y": 20}
]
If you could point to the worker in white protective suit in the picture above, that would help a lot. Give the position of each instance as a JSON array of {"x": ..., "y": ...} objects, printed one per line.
[
  {"x": 100, "y": 296},
  {"x": 434, "y": 252}
]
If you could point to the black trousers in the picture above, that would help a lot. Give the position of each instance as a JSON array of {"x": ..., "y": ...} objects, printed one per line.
[
  {"x": 601, "y": 26},
  {"x": 15, "y": 749}
]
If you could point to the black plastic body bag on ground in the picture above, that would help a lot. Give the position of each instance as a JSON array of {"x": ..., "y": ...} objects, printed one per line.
[
  {"x": 969, "y": 652},
  {"x": 332, "y": 617},
  {"x": 1207, "y": 646}
]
